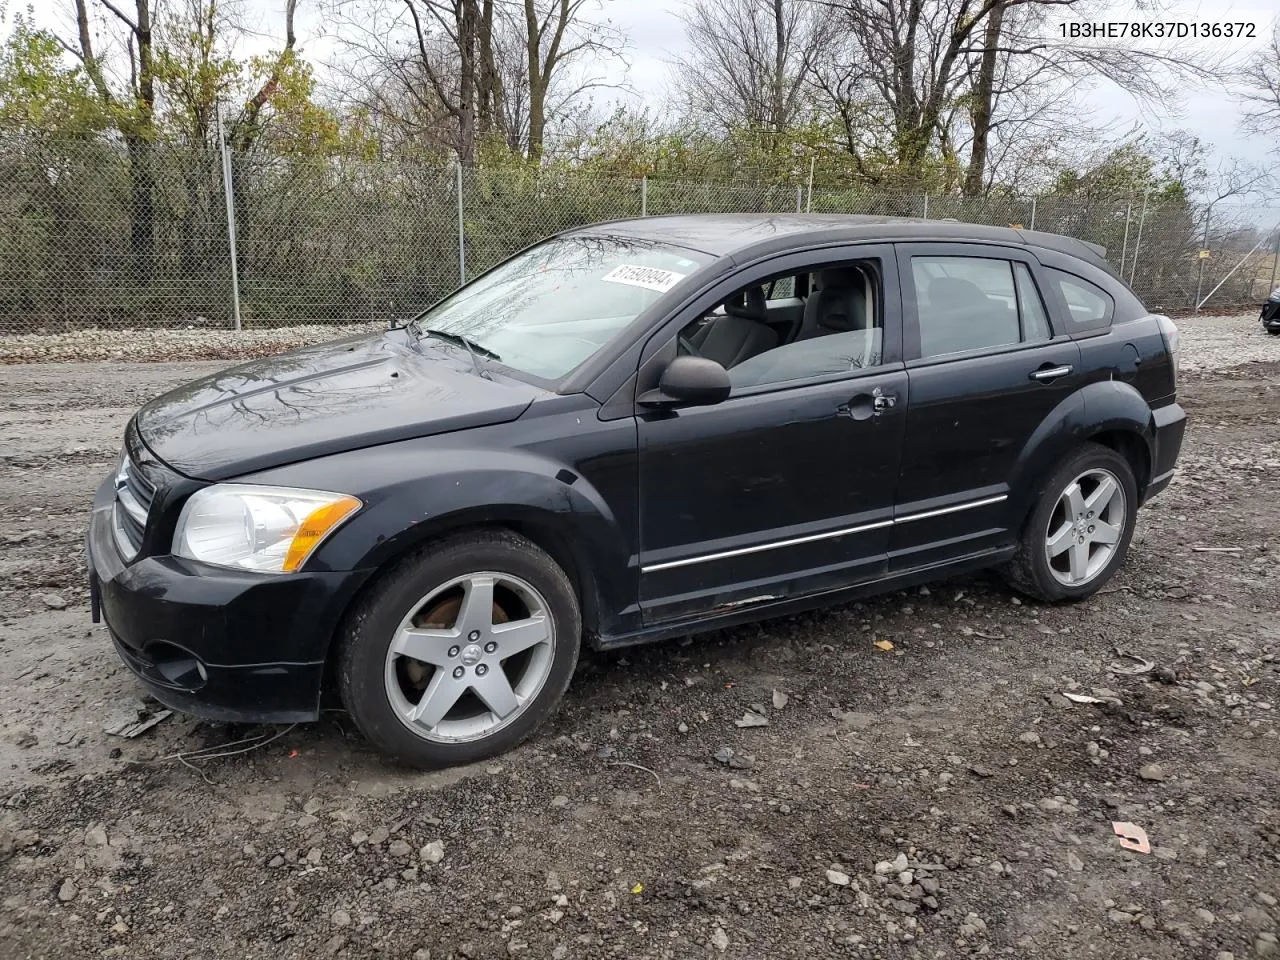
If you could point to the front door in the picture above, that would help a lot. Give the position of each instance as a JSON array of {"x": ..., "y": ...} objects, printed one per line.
[
  {"x": 986, "y": 369},
  {"x": 787, "y": 487}
]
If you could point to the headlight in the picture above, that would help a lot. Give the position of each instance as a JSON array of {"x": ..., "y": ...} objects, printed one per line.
[{"x": 268, "y": 529}]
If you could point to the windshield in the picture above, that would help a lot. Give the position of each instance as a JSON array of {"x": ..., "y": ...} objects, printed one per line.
[{"x": 547, "y": 310}]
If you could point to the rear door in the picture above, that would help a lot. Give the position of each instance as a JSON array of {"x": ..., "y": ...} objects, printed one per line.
[{"x": 985, "y": 369}]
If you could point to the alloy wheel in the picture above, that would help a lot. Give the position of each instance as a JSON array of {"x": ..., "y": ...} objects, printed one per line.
[
  {"x": 1086, "y": 527},
  {"x": 469, "y": 657}
]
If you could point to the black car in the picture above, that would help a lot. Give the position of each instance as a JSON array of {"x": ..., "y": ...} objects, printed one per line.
[
  {"x": 1271, "y": 313},
  {"x": 630, "y": 431}
]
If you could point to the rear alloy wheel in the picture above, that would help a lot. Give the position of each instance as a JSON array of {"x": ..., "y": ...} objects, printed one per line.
[
  {"x": 1079, "y": 532},
  {"x": 1085, "y": 527},
  {"x": 461, "y": 650}
]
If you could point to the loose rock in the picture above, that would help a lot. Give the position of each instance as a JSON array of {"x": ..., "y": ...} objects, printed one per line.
[{"x": 433, "y": 852}]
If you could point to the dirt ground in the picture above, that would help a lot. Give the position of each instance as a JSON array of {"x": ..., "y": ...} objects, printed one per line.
[{"x": 617, "y": 832}]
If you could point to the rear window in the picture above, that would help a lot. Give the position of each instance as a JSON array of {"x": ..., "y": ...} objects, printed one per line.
[{"x": 1089, "y": 307}]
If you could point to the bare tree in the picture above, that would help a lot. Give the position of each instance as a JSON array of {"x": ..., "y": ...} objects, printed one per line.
[
  {"x": 133, "y": 107},
  {"x": 246, "y": 126},
  {"x": 556, "y": 36},
  {"x": 1261, "y": 94},
  {"x": 917, "y": 59},
  {"x": 750, "y": 60},
  {"x": 457, "y": 71}
]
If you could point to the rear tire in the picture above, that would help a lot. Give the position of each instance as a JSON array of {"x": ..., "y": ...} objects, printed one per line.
[
  {"x": 1079, "y": 532},
  {"x": 461, "y": 650}
]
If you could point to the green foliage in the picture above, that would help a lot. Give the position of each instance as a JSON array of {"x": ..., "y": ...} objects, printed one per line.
[
  {"x": 1132, "y": 168},
  {"x": 39, "y": 93}
]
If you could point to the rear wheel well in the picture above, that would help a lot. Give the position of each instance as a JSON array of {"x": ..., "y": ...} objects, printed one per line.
[{"x": 1133, "y": 448}]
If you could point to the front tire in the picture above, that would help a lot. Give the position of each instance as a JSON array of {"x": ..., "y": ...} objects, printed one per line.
[
  {"x": 1079, "y": 532},
  {"x": 461, "y": 650}
]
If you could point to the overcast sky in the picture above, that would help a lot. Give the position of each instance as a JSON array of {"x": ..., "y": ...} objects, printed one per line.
[{"x": 656, "y": 35}]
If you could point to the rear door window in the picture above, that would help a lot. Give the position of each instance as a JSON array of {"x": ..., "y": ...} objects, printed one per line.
[{"x": 965, "y": 303}]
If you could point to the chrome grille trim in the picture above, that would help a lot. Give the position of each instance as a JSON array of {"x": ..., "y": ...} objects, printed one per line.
[
  {"x": 131, "y": 505},
  {"x": 134, "y": 495}
]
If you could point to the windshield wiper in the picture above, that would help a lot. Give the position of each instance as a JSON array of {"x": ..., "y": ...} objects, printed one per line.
[{"x": 473, "y": 348}]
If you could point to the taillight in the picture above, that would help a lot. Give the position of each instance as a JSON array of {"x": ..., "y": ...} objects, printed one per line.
[{"x": 1169, "y": 330}]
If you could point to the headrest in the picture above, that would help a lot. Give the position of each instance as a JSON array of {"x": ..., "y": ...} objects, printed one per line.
[
  {"x": 841, "y": 279},
  {"x": 750, "y": 304},
  {"x": 841, "y": 308},
  {"x": 955, "y": 292}
]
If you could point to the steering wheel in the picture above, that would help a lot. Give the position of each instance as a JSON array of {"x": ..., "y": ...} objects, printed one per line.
[{"x": 685, "y": 346}]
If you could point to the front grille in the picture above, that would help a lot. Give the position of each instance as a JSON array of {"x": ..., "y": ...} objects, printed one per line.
[{"x": 133, "y": 502}]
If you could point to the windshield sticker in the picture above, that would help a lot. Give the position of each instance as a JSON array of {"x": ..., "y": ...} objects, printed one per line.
[{"x": 650, "y": 278}]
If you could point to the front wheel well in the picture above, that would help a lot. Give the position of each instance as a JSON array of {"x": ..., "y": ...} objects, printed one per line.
[{"x": 542, "y": 535}]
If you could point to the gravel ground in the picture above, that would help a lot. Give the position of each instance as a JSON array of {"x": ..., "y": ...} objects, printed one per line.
[
  {"x": 939, "y": 799},
  {"x": 153, "y": 346}
]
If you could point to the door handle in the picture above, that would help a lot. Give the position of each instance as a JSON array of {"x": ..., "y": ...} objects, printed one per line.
[
  {"x": 864, "y": 405},
  {"x": 1045, "y": 374}
]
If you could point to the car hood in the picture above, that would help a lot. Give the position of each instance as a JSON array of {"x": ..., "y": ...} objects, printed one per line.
[{"x": 336, "y": 396}]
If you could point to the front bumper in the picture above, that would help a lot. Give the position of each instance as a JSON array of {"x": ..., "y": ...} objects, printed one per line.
[
  {"x": 1170, "y": 423},
  {"x": 1271, "y": 315},
  {"x": 216, "y": 643}
]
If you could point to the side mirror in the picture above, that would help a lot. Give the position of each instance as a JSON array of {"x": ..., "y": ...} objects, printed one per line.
[{"x": 689, "y": 382}]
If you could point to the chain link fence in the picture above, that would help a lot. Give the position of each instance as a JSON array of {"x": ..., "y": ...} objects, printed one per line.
[{"x": 94, "y": 235}]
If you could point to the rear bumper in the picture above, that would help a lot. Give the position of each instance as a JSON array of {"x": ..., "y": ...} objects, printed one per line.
[
  {"x": 1170, "y": 423},
  {"x": 216, "y": 643}
]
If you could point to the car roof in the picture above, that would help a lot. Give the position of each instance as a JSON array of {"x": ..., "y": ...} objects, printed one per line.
[{"x": 734, "y": 234}]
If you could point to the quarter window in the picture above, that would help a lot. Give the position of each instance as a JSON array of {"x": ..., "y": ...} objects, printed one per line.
[
  {"x": 782, "y": 288},
  {"x": 1035, "y": 321},
  {"x": 1088, "y": 305}
]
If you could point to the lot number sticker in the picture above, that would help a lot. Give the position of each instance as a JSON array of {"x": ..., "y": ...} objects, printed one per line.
[{"x": 650, "y": 278}]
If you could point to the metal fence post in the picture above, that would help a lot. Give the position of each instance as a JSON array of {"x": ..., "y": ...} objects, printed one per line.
[
  {"x": 1275, "y": 259},
  {"x": 1137, "y": 243},
  {"x": 1033, "y": 213},
  {"x": 1200, "y": 254},
  {"x": 1243, "y": 261},
  {"x": 644, "y": 196},
  {"x": 799, "y": 198},
  {"x": 1124, "y": 245},
  {"x": 925, "y": 215},
  {"x": 228, "y": 192},
  {"x": 808, "y": 207},
  {"x": 462, "y": 234}
]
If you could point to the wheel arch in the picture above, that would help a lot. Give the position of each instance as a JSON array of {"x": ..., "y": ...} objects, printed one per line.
[
  {"x": 541, "y": 528},
  {"x": 1111, "y": 413},
  {"x": 1131, "y": 445}
]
